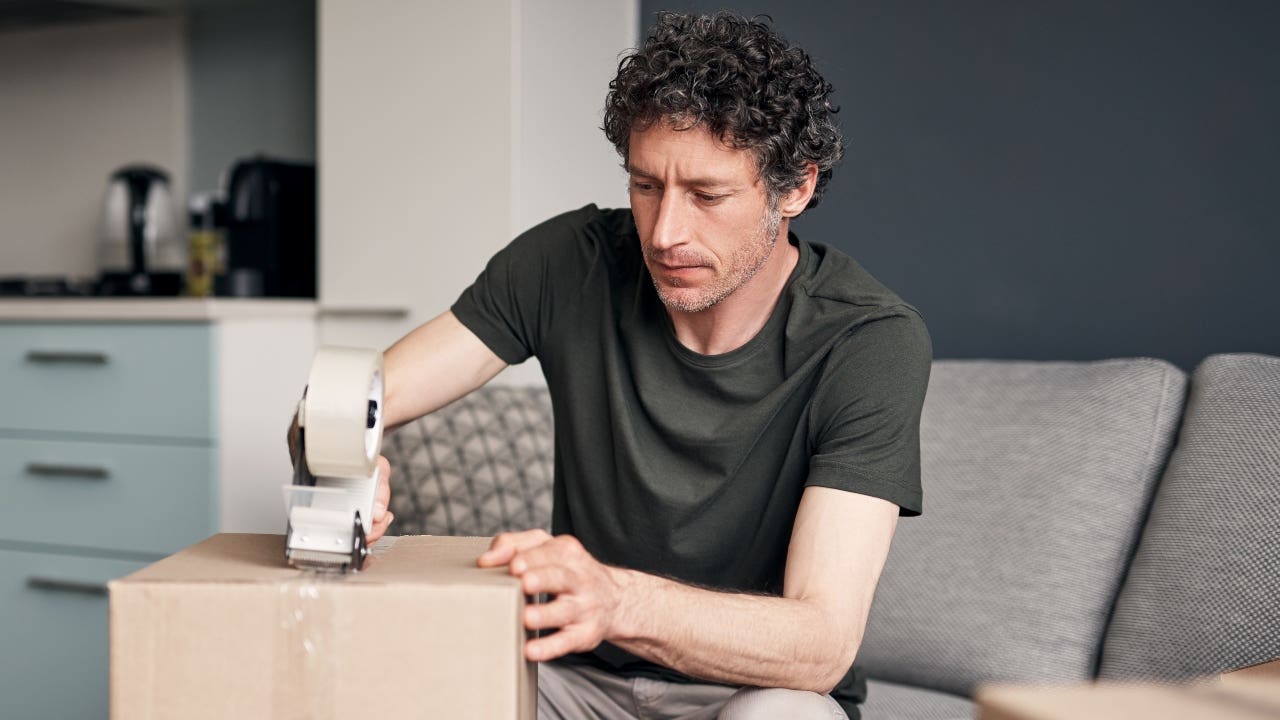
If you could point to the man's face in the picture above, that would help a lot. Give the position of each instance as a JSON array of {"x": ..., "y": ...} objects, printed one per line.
[{"x": 705, "y": 224}]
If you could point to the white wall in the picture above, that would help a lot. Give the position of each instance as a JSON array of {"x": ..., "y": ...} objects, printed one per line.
[
  {"x": 443, "y": 132},
  {"x": 77, "y": 103},
  {"x": 564, "y": 54},
  {"x": 568, "y": 52},
  {"x": 414, "y": 155}
]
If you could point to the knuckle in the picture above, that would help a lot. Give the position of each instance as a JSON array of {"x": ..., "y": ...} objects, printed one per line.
[{"x": 569, "y": 542}]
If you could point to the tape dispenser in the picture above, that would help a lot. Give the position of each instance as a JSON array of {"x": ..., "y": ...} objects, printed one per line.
[{"x": 330, "y": 502}]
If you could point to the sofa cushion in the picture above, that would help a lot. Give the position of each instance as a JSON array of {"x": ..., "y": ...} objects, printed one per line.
[
  {"x": 1203, "y": 594},
  {"x": 480, "y": 466},
  {"x": 1036, "y": 479},
  {"x": 890, "y": 701}
]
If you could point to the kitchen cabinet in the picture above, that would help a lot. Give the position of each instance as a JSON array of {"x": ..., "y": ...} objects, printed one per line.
[
  {"x": 443, "y": 131},
  {"x": 130, "y": 428},
  {"x": 53, "y": 632}
]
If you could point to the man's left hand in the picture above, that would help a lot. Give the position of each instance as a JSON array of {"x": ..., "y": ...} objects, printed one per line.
[{"x": 587, "y": 593}]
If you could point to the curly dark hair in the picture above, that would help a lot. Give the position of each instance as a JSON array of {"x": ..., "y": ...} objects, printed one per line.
[{"x": 738, "y": 78}]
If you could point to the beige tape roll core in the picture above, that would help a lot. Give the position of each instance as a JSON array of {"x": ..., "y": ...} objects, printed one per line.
[{"x": 339, "y": 441}]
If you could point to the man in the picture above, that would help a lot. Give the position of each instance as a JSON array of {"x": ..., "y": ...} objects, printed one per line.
[{"x": 736, "y": 410}]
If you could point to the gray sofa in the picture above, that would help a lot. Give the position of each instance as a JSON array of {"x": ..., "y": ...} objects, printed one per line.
[{"x": 1110, "y": 519}]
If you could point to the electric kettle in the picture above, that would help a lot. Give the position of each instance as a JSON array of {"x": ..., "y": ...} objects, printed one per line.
[{"x": 140, "y": 250}]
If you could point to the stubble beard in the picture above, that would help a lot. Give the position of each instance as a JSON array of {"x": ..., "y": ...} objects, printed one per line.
[{"x": 744, "y": 264}]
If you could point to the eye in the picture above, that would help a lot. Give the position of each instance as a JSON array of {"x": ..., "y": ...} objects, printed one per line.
[
  {"x": 708, "y": 199},
  {"x": 641, "y": 186}
]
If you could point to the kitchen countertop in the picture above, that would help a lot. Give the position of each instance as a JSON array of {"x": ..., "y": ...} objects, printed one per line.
[{"x": 167, "y": 309}]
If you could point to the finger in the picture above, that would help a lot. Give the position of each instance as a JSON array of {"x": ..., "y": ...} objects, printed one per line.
[
  {"x": 382, "y": 493},
  {"x": 379, "y": 528},
  {"x": 500, "y": 552},
  {"x": 558, "y": 613},
  {"x": 547, "y": 579},
  {"x": 557, "y": 644},
  {"x": 501, "y": 549},
  {"x": 561, "y": 550},
  {"x": 291, "y": 439},
  {"x": 506, "y": 545}
]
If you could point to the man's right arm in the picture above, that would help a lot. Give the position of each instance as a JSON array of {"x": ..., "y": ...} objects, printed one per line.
[
  {"x": 431, "y": 367},
  {"x": 425, "y": 370}
]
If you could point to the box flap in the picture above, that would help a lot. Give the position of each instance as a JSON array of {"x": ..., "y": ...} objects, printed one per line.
[{"x": 255, "y": 558}]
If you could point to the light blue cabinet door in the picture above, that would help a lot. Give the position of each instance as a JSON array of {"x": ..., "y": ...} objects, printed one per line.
[
  {"x": 53, "y": 634},
  {"x": 148, "y": 380},
  {"x": 106, "y": 496}
]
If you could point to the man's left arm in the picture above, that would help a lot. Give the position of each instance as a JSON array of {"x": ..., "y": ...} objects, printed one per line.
[{"x": 804, "y": 640}]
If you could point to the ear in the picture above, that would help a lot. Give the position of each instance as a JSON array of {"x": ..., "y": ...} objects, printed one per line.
[{"x": 794, "y": 202}]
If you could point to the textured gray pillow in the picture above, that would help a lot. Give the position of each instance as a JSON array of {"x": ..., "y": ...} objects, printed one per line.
[
  {"x": 1203, "y": 595},
  {"x": 887, "y": 701},
  {"x": 480, "y": 466},
  {"x": 1036, "y": 479}
]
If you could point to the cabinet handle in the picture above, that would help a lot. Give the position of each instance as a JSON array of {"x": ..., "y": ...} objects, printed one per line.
[
  {"x": 52, "y": 357},
  {"x": 84, "y": 472},
  {"x": 84, "y": 587},
  {"x": 389, "y": 313}
]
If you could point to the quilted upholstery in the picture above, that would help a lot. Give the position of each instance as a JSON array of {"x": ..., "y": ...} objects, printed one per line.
[
  {"x": 477, "y": 467},
  {"x": 1036, "y": 479},
  {"x": 1203, "y": 594}
]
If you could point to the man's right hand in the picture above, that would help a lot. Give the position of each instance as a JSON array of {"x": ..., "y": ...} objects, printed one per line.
[
  {"x": 427, "y": 369},
  {"x": 291, "y": 439},
  {"x": 382, "y": 516}
]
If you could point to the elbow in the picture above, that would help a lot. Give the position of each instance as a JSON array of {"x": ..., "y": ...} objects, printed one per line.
[
  {"x": 837, "y": 661},
  {"x": 835, "y": 672},
  {"x": 833, "y": 636}
]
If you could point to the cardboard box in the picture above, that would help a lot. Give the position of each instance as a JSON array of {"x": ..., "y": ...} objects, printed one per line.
[
  {"x": 226, "y": 629},
  {"x": 1248, "y": 694}
]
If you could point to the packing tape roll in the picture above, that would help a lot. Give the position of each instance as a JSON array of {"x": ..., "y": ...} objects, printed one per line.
[{"x": 339, "y": 441}]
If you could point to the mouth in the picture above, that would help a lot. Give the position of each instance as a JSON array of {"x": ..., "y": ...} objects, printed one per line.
[
  {"x": 677, "y": 273},
  {"x": 675, "y": 267}
]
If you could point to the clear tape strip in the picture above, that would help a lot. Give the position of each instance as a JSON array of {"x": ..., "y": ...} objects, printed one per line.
[
  {"x": 306, "y": 656},
  {"x": 306, "y": 665}
]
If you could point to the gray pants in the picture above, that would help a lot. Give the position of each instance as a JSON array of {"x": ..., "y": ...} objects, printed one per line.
[{"x": 578, "y": 692}]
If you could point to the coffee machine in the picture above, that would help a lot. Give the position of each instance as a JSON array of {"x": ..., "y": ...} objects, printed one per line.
[{"x": 270, "y": 229}]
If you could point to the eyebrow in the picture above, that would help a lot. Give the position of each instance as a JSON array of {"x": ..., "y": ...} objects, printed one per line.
[{"x": 703, "y": 182}]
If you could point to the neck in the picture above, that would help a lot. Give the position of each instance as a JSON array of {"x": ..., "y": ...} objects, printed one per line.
[{"x": 729, "y": 324}]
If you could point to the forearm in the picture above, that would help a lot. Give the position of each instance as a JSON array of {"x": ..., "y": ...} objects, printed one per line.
[
  {"x": 731, "y": 637},
  {"x": 431, "y": 367}
]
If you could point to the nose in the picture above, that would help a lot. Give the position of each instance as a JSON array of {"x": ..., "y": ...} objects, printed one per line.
[{"x": 671, "y": 227}]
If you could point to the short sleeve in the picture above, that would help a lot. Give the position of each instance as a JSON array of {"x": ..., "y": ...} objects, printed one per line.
[
  {"x": 865, "y": 425},
  {"x": 511, "y": 304}
]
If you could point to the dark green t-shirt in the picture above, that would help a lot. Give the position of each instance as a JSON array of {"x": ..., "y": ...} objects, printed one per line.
[{"x": 692, "y": 466}]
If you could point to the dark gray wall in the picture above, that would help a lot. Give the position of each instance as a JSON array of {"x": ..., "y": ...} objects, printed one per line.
[{"x": 1074, "y": 179}]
